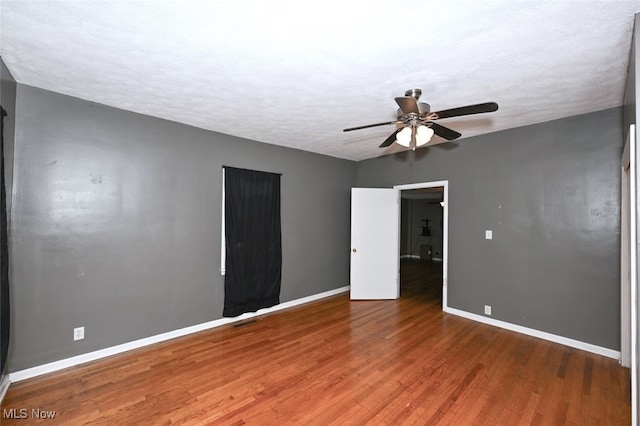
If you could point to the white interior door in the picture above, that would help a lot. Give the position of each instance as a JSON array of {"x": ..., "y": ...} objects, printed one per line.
[
  {"x": 375, "y": 243},
  {"x": 629, "y": 268}
]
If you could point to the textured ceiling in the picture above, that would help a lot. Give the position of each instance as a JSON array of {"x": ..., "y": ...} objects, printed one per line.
[{"x": 296, "y": 73}]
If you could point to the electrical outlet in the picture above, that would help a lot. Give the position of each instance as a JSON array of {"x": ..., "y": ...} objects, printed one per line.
[
  {"x": 487, "y": 310},
  {"x": 488, "y": 234},
  {"x": 78, "y": 333}
]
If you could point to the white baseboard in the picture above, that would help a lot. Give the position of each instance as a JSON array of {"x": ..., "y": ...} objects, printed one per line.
[
  {"x": 610, "y": 353},
  {"x": 4, "y": 387},
  {"x": 103, "y": 353}
]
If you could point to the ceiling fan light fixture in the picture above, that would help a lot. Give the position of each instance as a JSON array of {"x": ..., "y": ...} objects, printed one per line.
[
  {"x": 404, "y": 137},
  {"x": 423, "y": 135}
]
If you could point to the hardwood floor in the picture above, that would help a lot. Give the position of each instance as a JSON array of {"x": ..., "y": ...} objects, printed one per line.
[{"x": 339, "y": 362}]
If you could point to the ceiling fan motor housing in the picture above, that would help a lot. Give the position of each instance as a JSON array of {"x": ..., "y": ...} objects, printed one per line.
[{"x": 423, "y": 107}]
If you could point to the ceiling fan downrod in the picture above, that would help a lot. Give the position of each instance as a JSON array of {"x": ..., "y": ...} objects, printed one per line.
[{"x": 414, "y": 93}]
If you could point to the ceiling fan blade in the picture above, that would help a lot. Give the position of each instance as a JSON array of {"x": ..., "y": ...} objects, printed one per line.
[
  {"x": 465, "y": 110},
  {"x": 408, "y": 104},
  {"x": 444, "y": 132},
  {"x": 391, "y": 139},
  {"x": 366, "y": 126}
]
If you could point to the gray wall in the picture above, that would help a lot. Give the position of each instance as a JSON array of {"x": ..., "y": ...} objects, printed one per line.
[
  {"x": 8, "y": 102},
  {"x": 551, "y": 194},
  {"x": 631, "y": 94},
  {"x": 116, "y": 224}
]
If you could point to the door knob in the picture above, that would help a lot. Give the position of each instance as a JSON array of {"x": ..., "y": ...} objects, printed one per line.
[{"x": 354, "y": 250}]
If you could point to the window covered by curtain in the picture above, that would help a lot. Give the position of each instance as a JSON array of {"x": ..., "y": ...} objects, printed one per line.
[{"x": 253, "y": 241}]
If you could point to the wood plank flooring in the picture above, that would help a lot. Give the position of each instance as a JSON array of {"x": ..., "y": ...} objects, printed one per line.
[{"x": 339, "y": 362}]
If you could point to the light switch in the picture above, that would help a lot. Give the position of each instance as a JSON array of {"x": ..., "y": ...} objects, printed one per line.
[{"x": 488, "y": 234}]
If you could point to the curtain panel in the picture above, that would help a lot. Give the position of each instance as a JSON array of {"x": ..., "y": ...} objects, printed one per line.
[
  {"x": 4, "y": 255},
  {"x": 253, "y": 241}
]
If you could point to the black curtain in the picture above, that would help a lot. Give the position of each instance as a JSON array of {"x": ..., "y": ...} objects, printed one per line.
[
  {"x": 4, "y": 256},
  {"x": 253, "y": 241}
]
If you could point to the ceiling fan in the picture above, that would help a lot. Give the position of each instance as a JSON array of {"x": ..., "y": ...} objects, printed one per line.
[{"x": 417, "y": 120}]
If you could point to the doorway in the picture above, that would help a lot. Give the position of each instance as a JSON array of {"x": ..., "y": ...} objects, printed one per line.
[{"x": 424, "y": 228}]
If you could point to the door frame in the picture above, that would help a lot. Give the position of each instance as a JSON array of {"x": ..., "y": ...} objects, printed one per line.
[
  {"x": 626, "y": 227},
  {"x": 445, "y": 229}
]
